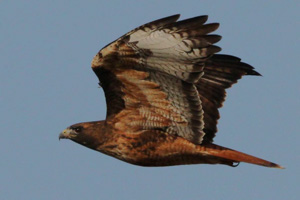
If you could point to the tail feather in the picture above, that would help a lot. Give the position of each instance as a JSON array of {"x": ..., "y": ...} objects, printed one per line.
[{"x": 236, "y": 156}]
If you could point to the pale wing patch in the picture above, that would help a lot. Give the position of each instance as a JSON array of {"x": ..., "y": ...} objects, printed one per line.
[
  {"x": 185, "y": 101},
  {"x": 144, "y": 30},
  {"x": 173, "y": 50}
]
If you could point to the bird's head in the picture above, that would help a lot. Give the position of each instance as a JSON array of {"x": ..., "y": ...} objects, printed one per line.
[
  {"x": 72, "y": 132},
  {"x": 86, "y": 133}
]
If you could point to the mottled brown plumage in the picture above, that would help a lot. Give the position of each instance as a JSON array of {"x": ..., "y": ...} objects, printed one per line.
[{"x": 163, "y": 85}]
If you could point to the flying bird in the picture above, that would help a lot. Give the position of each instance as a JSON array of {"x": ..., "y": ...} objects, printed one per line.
[{"x": 163, "y": 84}]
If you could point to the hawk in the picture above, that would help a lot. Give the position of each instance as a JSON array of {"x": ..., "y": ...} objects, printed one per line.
[{"x": 163, "y": 84}]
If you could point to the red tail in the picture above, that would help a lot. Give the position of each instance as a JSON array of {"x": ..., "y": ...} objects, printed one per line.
[{"x": 236, "y": 156}]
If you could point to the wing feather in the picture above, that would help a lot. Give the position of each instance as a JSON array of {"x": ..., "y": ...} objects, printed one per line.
[
  {"x": 220, "y": 73},
  {"x": 184, "y": 100},
  {"x": 165, "y": 76}
]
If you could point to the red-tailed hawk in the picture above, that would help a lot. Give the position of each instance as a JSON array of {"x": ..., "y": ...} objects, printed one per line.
[{"x": 163, "y": 85}]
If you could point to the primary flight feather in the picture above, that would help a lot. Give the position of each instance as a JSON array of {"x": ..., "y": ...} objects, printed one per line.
[{"x": 163, "y": 84}]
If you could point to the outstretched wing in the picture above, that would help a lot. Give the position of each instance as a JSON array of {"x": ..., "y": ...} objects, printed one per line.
[{"x": 163, "y": 76}]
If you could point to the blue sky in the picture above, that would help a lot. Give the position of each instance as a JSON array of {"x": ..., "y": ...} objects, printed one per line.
[{"x": 46, "y": 84}]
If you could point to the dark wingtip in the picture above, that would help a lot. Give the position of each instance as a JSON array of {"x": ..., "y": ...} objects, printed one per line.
[
  {"x": 254, "y": 73},
  {"x": 174, "y": 17}
]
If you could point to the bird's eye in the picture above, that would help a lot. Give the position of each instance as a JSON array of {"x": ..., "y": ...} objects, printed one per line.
[{"x": 77, "y": 129}]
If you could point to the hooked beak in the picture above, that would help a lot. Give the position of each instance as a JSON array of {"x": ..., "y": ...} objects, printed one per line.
[{"x": 65, "y": 134}]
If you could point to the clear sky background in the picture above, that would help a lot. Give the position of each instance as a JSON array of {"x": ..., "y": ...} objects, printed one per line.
[{"x": 46, "y": 84}]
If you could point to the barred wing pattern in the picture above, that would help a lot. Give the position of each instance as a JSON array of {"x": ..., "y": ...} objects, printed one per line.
[
  {"x": 166, "y": 76},
  {"x": 220, "y": 72}
]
